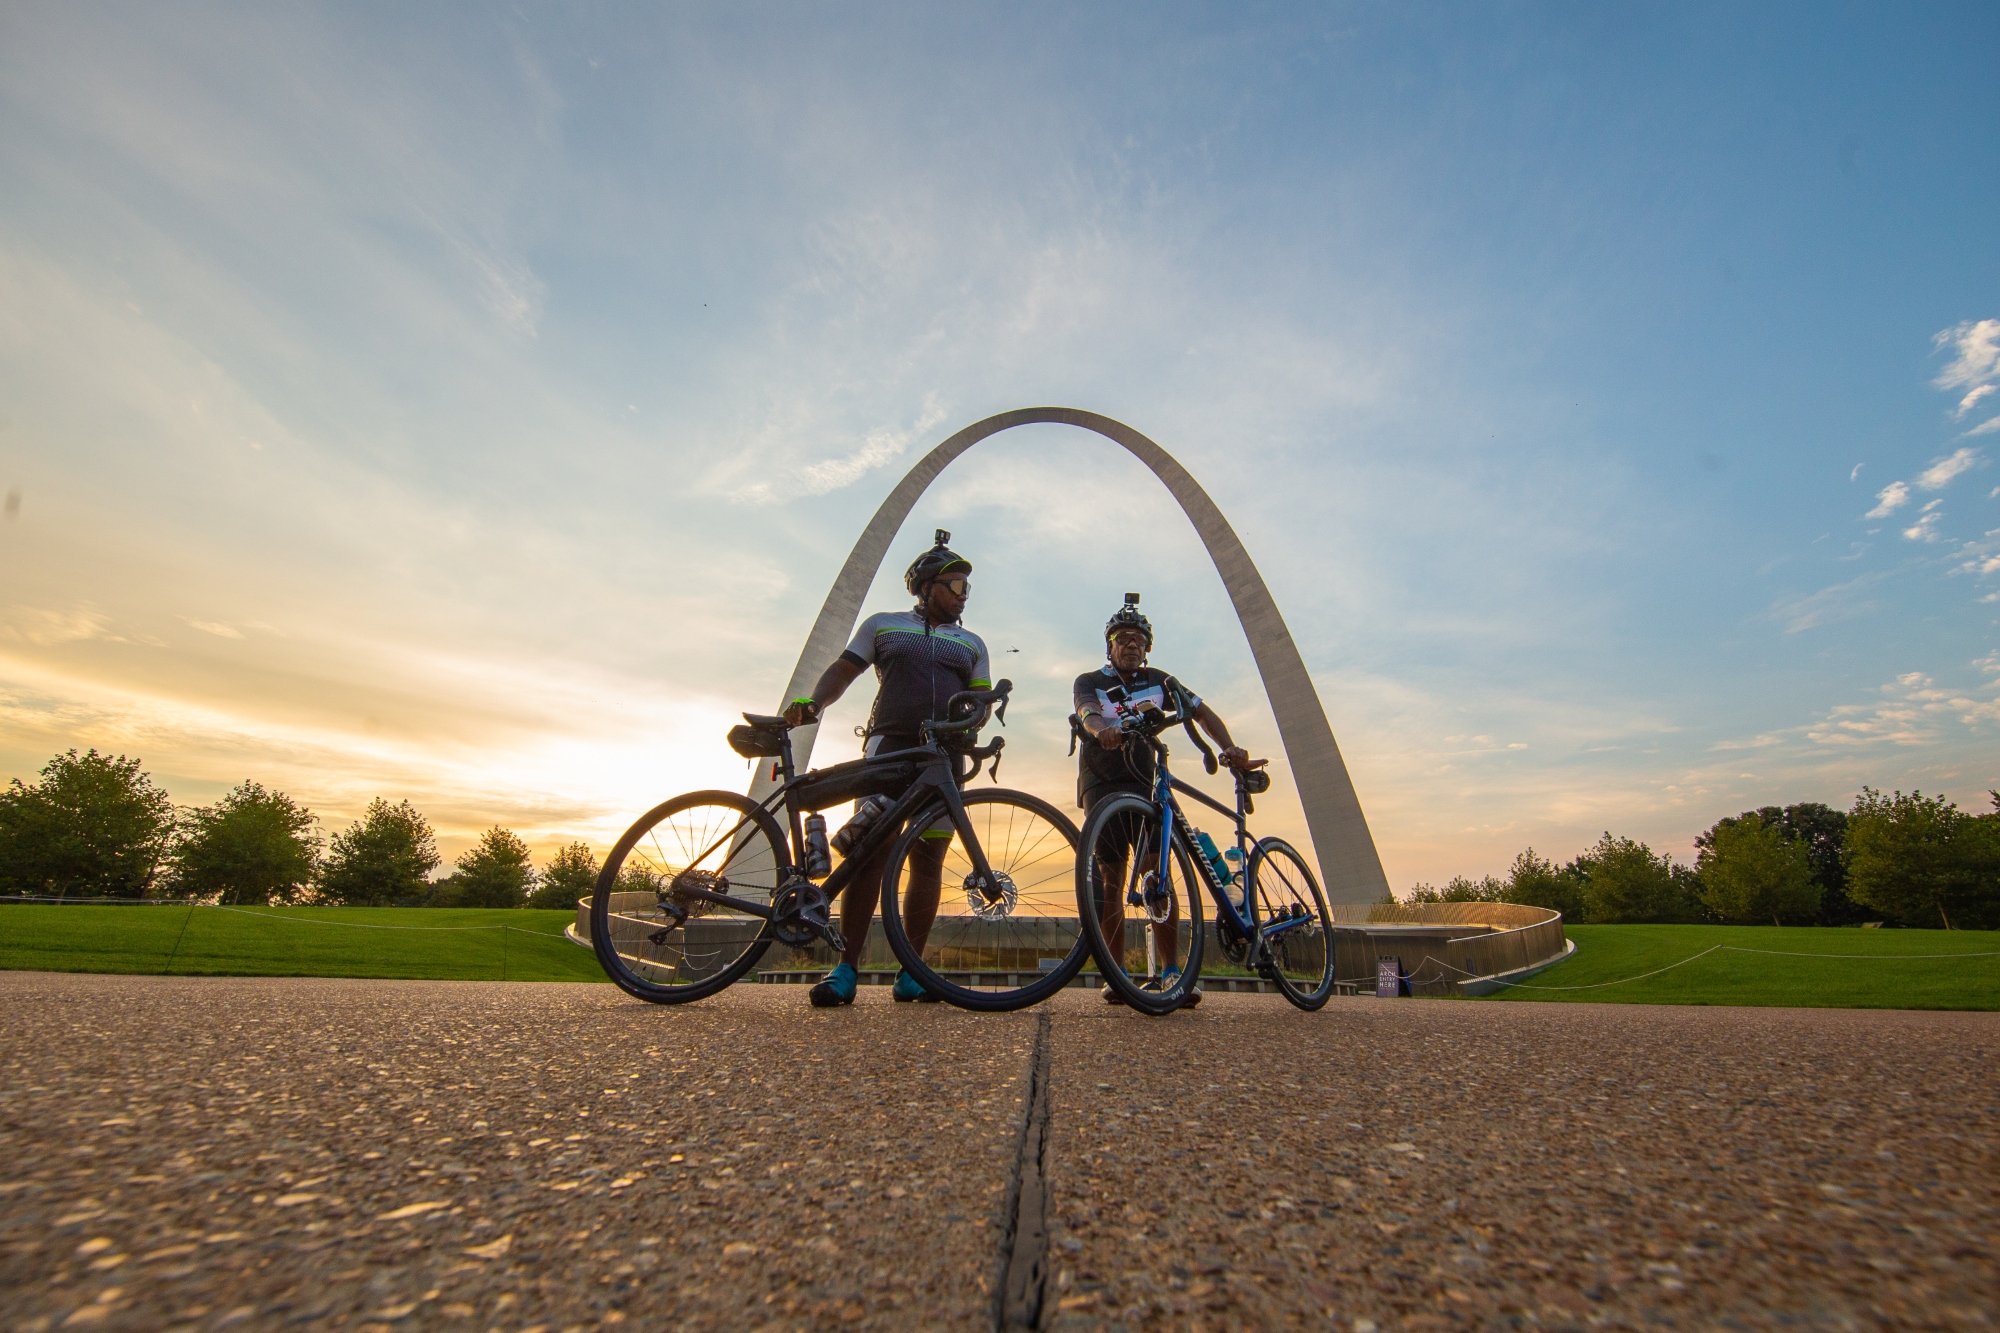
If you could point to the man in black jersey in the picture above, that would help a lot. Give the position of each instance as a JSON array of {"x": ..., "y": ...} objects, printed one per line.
[
  {"x": 1108, "y": 765},
  {"x": 921, "y": 657}
]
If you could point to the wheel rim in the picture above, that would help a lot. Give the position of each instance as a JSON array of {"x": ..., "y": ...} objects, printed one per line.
[
  {"x": 1004, "y": 936},
  {"x": 1147, "y": 918},
  {"x": 707, "y": 845},
  {"x": 1299, "y": 954}
]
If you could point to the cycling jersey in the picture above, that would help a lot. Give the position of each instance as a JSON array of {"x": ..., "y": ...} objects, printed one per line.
[
  {"x": 1130, "y": 766},
  {"x": 918, "y": 667}
]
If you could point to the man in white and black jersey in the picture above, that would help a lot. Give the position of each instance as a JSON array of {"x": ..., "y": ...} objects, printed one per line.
[
  {"x": 1109, "y": 766},
  {"x": 921, "y": 657}
]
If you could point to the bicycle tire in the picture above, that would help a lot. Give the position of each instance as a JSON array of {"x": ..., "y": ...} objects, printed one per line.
[
  {"x": 755, "y": 865},
  {"x": 1281, "y": 884},
  {"x": 1184, "y": 888},
  {"x": 1023, "y": 849}
]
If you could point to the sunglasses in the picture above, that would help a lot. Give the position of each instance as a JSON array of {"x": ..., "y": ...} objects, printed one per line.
[{"x": 958, "y": 587}]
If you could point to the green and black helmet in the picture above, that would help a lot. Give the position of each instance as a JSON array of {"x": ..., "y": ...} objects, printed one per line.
[
  {"x": 1129, "y": 617},
  {"x": 940, "y": 559}
]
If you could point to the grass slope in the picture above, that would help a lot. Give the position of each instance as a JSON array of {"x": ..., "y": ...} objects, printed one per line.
[
  {"x": 295, "y": 942},
  {"x": 1886, "y": 975}
]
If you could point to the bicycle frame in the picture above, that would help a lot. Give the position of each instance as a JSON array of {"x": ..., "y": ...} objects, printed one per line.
[
  {"x": 938, "y": 774},
  {"x": 1243, "y": 918}
]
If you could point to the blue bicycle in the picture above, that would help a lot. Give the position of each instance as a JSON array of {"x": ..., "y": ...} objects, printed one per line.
[{"x": 1141, "y": 853}]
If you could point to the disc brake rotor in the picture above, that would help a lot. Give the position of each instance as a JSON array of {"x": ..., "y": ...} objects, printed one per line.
[{"x": 991, "y": 906}]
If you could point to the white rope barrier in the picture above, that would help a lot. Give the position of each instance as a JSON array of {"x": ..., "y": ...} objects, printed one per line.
[{"x": 1734, "y": 948}]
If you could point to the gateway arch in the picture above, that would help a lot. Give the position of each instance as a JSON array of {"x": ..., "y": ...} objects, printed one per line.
[{"x": 1350, "y": 870}]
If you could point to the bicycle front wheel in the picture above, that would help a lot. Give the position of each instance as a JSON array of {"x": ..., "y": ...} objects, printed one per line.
[
  {"x": 1293, "y": 923},
  {"x": 1004, "y": 944},
  {"x": 1141, "y": 911},
  {"x": 655, "y": 940}
]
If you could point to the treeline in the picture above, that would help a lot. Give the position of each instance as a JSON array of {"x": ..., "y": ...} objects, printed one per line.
[
  {"x": 1910, "y": 860},
  {"x": 98, "y": 827}
]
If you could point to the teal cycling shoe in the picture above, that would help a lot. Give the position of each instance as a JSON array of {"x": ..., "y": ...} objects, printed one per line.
[
  {"x": 836, "y": 989},
  {"x": 1170, "y": 978},
  {"x": 909, "y": 988}
]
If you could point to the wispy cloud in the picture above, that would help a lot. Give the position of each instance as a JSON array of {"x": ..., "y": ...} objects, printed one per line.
[
  {"x": 1982, "y": 557},
  {"x": 1840, "y": 602},
  {"x": 878, "y": 449},
  {"x": 1975, "y": 363},
  {"x": 1909, "y": 712},
  {"x": 1983, "y": 428},
  {"x": 1925, "y": 529},
  {"x": 1889, "y": 499},
  {"x": 1941, "y": 473}
]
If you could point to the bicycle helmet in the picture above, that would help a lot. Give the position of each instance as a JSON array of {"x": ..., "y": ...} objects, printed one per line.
[
  {"x": 940, "y": 559},
  {"x": 1129, "y": 617}
]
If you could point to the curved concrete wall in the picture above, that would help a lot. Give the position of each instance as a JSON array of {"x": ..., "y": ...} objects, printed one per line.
[{"x": 1350, "y": 869}]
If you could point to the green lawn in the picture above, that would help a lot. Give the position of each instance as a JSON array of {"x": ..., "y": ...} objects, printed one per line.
[
  {"x": 295, "y": 942},
  {"x": 1887, "y": 975}
]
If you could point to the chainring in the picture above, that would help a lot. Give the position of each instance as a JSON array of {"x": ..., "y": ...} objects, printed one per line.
[{"x": 792, "y": 908}]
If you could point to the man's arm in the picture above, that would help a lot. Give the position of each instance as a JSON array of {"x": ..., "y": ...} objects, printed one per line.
[
  {"x": 1230, "y": 753},
  {"x": 1105, "y": 731},
  {"x": 833, "y": 683}
]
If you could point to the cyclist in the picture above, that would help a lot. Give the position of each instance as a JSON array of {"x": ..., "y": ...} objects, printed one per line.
[
  {"x": 1108, "y": 766},
  {"x": 921, "y": 657}
]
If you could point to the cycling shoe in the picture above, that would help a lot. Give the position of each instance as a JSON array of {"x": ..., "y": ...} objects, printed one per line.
[
  {"x": 1171, "y": 978},
  {"x": 907, "y": 989},
  {"x": 836, "y": 989}
]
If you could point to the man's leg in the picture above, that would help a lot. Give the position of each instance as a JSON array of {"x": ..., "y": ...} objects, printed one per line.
[
  {"x": 924, "y": 883},
  {"x": 857, "y": 903}
]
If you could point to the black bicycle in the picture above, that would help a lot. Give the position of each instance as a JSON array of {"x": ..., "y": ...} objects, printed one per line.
[
  {"x": 1141, "y": 853},
  {"x": 700, "y": 888}
]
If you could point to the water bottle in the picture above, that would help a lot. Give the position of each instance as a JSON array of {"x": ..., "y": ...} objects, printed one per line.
[
  {"x": 1223, "y": 874},
  {"x": 818, "y": 859},
  {"x": 866, "y": 812}
]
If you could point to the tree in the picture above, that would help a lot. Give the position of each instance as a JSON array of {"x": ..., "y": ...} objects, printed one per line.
[
  {"x": 1921, "y": 861},
  {"x": 1626, "y": 881},
  {"x": 1822, "y": 830},
  {"x": 570, "y": 874},
  {"x": 1751, "y": 872},
  {"x": 252, "y": 846},
  {"x": 1460, "y": 890},
  {"x": 94, "y": 826},
  {"x": 1535, "y": 881},
  {"x": 495, "y": 872},
  {"x": 381, "y": 858}
]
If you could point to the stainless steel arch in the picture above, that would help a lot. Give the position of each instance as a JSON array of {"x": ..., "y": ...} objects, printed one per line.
[{"x": 1350, "y": 869}]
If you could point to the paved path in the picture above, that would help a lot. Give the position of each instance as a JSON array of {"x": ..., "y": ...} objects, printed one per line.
[{"x": 251, "y": 1154}]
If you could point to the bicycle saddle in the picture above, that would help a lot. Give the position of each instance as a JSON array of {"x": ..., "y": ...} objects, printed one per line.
[{"x": 759, "y": 720}]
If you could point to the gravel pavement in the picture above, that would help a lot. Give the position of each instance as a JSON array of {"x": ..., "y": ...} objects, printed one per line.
[
  {"x": 1521, "y": 1166},
  {"x": 207, "y": 1153},
  {"x": 263, "y": 1153}
]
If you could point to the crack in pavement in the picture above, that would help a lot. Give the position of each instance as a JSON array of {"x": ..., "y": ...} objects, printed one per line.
[{"x": 1024, "y": 1249}]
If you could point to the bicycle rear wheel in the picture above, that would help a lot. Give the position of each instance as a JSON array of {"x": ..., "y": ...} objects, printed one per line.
[
  {"x": 1141, "y": 913},
  {"x": 1004, "y": 946},
  {"x": 1293, "y": 922},
  {"x": 652, "y": 939}
]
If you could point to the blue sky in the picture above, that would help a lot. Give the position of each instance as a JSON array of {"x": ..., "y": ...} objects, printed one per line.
[{"x": 474, "y": 403}]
